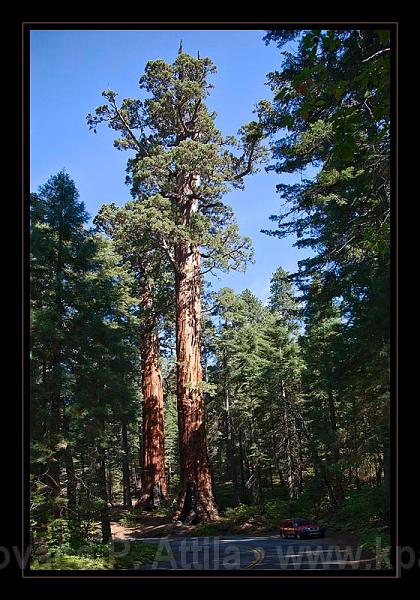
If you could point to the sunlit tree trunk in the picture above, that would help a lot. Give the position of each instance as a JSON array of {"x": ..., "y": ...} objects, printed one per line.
[
  {"x": 153, "y": 477},
  {"x": 196, "y": 501}
]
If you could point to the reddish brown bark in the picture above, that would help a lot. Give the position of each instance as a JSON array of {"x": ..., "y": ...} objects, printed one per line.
[
  {"x": 195, "y": 501},
  {"x": 153, "y": 486}
]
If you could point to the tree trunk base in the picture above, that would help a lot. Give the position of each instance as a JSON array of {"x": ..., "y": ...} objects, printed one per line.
[
  {"x": 192, "y": 508},
  {"x": 151, "y": 499}
]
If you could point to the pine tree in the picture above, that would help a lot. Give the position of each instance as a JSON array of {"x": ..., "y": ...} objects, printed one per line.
[
  {"x": 283, "y": 376},
  {"x": 332, "y": 99},
  {"x": 105, "y": 362},
  {"x": 59, "y": 250}
]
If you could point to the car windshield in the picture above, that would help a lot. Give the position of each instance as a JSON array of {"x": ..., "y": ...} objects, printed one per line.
[{"x": 301, "y": 522}]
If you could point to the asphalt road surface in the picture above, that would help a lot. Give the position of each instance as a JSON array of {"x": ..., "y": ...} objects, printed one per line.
[{"x": 256, "y": 553}]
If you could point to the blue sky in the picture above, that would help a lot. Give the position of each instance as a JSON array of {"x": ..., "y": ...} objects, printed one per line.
[{"x": 69, "y": 70}]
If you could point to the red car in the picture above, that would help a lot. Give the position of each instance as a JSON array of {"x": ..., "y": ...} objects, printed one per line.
[{"x": 299, "y": 528}]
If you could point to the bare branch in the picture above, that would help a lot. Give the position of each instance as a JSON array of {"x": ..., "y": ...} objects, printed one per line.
[
  {"x": 376, "y": 54},
  {"x": 168, "y": 252}
]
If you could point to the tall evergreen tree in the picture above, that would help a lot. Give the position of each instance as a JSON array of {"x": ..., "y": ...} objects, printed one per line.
[
  {"x": 83, "y": 352},
  {"x": 154, "y": 290},
  {"x": 324, "y": 405},
  {"x": 284, "y": 371},
  {"x": 105, "y": 362},
  {"x": 181, "y": 168},
  {"x": 332, "y": 99},
  {"x": 59, "y": 251}
]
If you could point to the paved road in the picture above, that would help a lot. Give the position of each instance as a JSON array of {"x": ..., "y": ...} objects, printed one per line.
[{"x": 254, "y": 553}]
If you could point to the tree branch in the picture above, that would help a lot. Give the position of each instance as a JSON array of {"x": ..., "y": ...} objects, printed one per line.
[
  {"x": 376, "y": 54},
  {"x": 249, "y": 164},
  {"x": 168, "y": 252},
  {"x": 127, "y": 127}
]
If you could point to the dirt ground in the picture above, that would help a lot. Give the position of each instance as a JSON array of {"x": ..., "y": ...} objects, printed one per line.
[{"x": 159, "y": 526}]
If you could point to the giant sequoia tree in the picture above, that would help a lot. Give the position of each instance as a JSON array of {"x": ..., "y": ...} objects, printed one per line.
[
  {"x": 154, "y": 290},
  {"x": 181, "y": 168}
]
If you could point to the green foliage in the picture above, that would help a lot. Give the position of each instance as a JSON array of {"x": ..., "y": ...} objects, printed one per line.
[
  {"x": 70, "y": 562},
  {"x": 362, "y": 510},
  {"x": 38, "y": 504},
  {"x": 139, "y": 553},
  {"x": 181, "y": 159},
  {"x": 61, "y": 556},
  {"x": 276, "y": 511},
  {"x": 331, "y": 100},
  {"x": 243, "y": 513},
  {"x": 335, "y": 91},
  {"x": 131, "y": 518},
  {"x": 84, "y": 356},
  {"x": 95, "y": 556},
  {"x": 256, "y": 375}
]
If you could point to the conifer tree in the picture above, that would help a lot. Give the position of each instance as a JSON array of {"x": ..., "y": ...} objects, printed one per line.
[
  {"x": 180, "y": 170},
  {"x": 59, "y": 251},
  {"x": 105, "y": 391},
  {"x": 154, "y": 290},
  {"x": 83, "y": 354},
  {"x": 332, "y": 99}
]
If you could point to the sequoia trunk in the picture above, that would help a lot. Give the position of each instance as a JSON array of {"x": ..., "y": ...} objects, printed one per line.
[
  {"x": 196, "y": 501},
  {"x": 153, "y": 487}
]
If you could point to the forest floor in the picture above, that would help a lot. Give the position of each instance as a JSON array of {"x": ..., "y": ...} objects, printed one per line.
[
  {"x": 154, "y": 526},
  {"x": 150, "y": 526}
]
